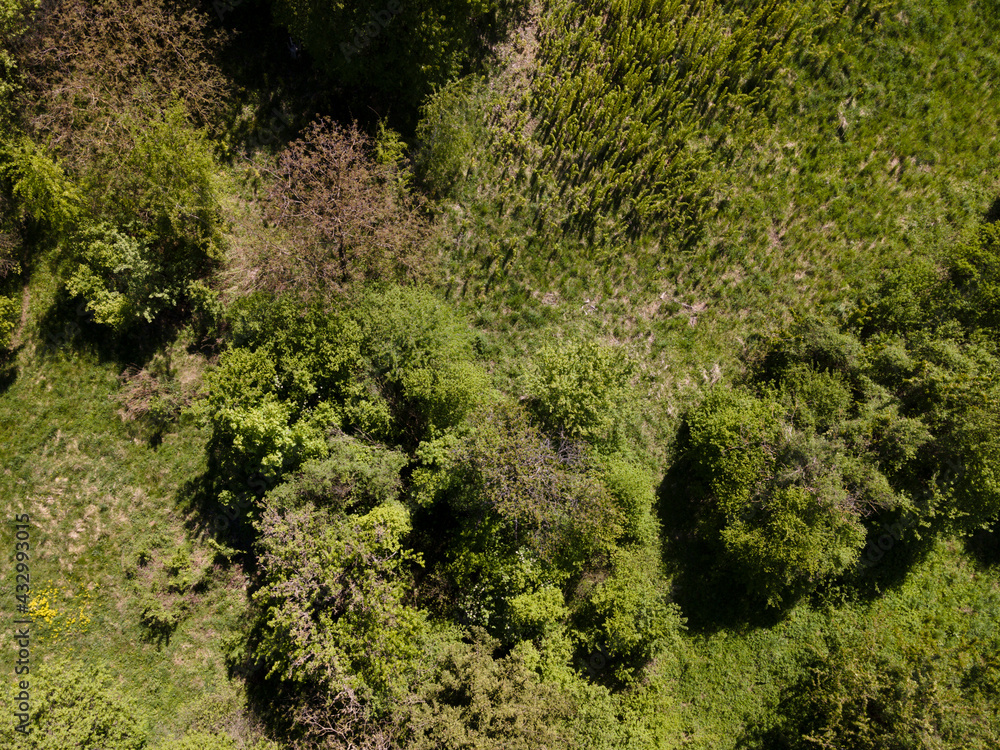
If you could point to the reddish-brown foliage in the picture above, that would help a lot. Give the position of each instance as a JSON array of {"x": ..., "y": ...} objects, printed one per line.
[
  {"x": 90, "y": 64},
  {"x": 345, "y": 216}
]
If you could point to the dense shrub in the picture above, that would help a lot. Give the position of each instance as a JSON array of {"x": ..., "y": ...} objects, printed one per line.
[
  {"x": 549, "y": 546},
  {"x": 628, "y": 617},
  {"x": 542, "y": 495},
  {"x": 973, "y": 270},
  {"x": 473, "y": 699},
  {"x": 253, "y": 428},
  {"x": 42, "y": 193},
  {"x": 580, "y": 390},
  {"x": 421, "y": 356},
  {"x": 354, "y": 476},
  {"x": 450, "y": 131},
  {"x": 92, "y": 66},
  {"x": 165, "y": 181},
  {"x": 124, "y": 182},
  {"x": 930, "y": 335},
  {"x": 397, "y": 367},
  {"x": 330, "y": 613},
  {"x": 893, "y": 411},
  {"x": 772, "y": 499},
  {"x": 632, "y": 490},
  {"x": 14, "y": 22},
  {"x": 863, "y": 690},
  {"x": 9, "y": 308},
  {"x": 153, "y": 232},
  {"x": 73, "y": 706}
]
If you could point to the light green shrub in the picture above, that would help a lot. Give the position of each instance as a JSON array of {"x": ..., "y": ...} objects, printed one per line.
[
  {"x": 581, "y": 390},
  {"x": 74, "y": 706},
  {"x": 451, "y": 135},
  {"x": 9, "y": 309},
  {"x": 41, "y": 189},
  {"x": 777, "y": 506}
]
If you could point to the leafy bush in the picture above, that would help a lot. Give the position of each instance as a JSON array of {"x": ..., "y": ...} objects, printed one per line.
[
  {"x": 158, "y": 233},
  {"x": 14, "y": 15},
  {"x": 9, "y": 309},
  {"x": 354, "y": 477},
  {"x": 166, "y": 180},
  {"x": 863, "y": 691},
  {"x": 252, "y": 425},
  {"x": 631, "y": 619},
  {"x": 330, "y": 613},
  {"x": 524, "y": 518},
  {"x": 818, "y": 400},
  {"x": 543, "y": 498},
  {"x": 931, "y": 345},
  {"x": 449, "y": 133},
  {"x": 73, "y": 706},
  {"x": 777, "y": 504},
  {"x": 40, "y": 187},
  {"x": 118, "y": 277},
  {"x": 397, "y": 367},
  {"x": 974, "y": 274},
  {"x": 420, "y": 354},
  {"x": 581, "y": 390},
  {"x": 633, "y": 493},
  {"x": 475, "y": 700}
]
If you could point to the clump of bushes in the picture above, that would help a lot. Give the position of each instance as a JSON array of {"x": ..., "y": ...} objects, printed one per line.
[
  {"x": 840, "y": 426},
  {"x": 76, "y": 706},
  {"x": 397, "y": 367}
]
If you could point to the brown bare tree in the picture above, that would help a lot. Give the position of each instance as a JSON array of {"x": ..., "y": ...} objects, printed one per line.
[
  {"x": 345, "y": 217},
  {"x": 90, "y": 64}
]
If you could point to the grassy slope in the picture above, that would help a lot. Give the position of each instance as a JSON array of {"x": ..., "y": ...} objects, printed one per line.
[
  {"x": 888, "y": 151},
  {"x": 889, "y": 148},
  {"x": 97, "y": 496},
  {"x": 856, "y": 170}
]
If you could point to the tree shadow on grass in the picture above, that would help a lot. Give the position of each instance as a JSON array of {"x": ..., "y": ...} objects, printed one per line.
[
  {"x": 8, "y": 368},
  {"x": 709, "y": 592},
  {"x": 223, "y": 507},
  {"x": 67, "y": 325},
  {"x": 984, "y": 546},
  {"x": 993, "y": 213},
  {"x": 891, "y": 551}
]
